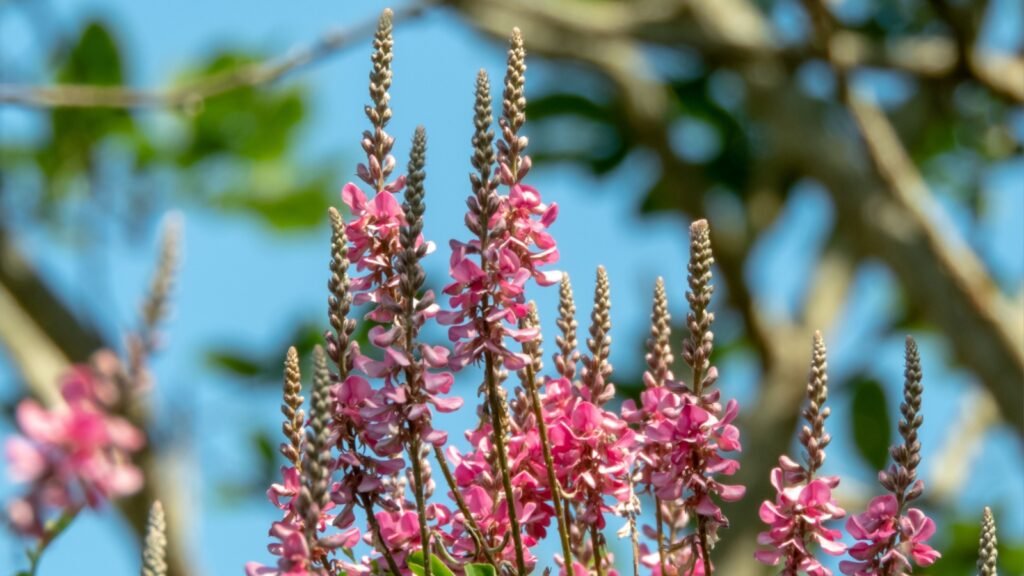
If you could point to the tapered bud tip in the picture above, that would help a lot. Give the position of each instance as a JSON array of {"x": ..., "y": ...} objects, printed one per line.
[
  {"x": 387, "y": 15},
  {"x": 333, "y": 214},
  {"x": 293, "y": 355},
  {"x": 699, "y": 227},
  {"x": 481, "y": 77}
]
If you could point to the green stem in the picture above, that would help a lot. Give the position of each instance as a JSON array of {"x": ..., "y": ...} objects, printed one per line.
[
  {"x": 50, "y": 533},
  {"x": 498, "y": 429}
]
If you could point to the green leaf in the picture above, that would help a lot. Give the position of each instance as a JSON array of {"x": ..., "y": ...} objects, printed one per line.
[
  {"x": 437, "y": 568},
  {"x": 480, "y": 570},
  {"x": 872, "y": 427},
  {"x": 75, "y": 133},
  {"x": 251, "y": 123},
  {"x": 279, "y": 201}
]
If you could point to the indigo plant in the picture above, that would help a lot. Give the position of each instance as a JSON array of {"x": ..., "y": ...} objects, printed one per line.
[{"x": 550, "y": 456}]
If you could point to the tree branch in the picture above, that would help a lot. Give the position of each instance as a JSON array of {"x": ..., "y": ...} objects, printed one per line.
[{"x": 194, "y": 93}]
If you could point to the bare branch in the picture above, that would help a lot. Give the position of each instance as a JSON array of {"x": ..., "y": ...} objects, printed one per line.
[{"x": 193, "y": 94}]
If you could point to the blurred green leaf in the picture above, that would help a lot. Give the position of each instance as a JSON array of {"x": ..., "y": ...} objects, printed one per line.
[
  {"x": 234, "y": 363},
  {"x": 479, "y": 570},
  {"x": 872, "y": 427},
  {"x": 75, "y": 133},
  {"x": 278, "y": 200},
  {"x": 265, "y": 366},
  {"x": 252, "y": 123},
  {"x": 437, "y": 568},
  {"x": 960, "y": 554}
]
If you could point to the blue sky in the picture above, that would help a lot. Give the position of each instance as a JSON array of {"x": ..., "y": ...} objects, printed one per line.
[{"x": 243, "y": 285}]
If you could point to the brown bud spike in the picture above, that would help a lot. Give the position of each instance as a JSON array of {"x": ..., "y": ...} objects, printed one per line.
[
  {"x": 316, "y": 475},
  {"x": 339, "y": 300},
  {"x": 910, "y": 410},
  {"x": 154, "y": 552},
  {"x": 154, "y": 309},
  {"x": 988, "y": 551},
  {"x": 410, "y": 270},
  {"x": 568, "y": 353},
  {"x": 292, "y": 409},
  {"x": 813, "y": 436},
  {"x": 514, "y": 98},
  {"x": 380, "y": 74},
  {"x": 659, "y": 346},
  {"x": 697, "y": 350},
  {"x": 596, "y": 367}
]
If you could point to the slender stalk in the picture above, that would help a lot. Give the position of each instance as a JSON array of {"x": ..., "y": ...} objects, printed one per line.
[
  {"x": 375, "y": 528},
  {"x": 498, "y": 428},
  {"x": 55, "y": 529},
  {"x": 421, "y": 499},
  {"x": 549, "y": 463},
  {"x": 661, "y": 534},
  {"x": 595, "y": 543},
  {"x": 371, "y": 520},
  {"x": 474, "y": 528}
]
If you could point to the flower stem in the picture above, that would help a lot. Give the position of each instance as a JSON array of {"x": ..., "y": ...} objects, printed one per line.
[
  {"x": 498, "y": 429},
  {"x": 595, "y": 542},
  {"x": 375, "y": 528},
  {"x": 661, "y": 534},
  {"x": 556, "y": 488},
  {"x": 474, "y": 528},
  {"x": 52, "y": 531},
  {"x": 418, "y": 490}
]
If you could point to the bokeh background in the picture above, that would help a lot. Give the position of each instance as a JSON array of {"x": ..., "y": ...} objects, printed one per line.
[{"x": 862, "y": 170}]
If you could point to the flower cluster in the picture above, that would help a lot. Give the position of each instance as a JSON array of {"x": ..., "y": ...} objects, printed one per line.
[
  {"x": 490, "y": 272},
  {"x": 75, "y": 454},
  {"x": 554, "y": 457},
  {"x": 890, "y": 537},
  {"x": 685, "y": 432},
  {"x": 803, "y": 502}
]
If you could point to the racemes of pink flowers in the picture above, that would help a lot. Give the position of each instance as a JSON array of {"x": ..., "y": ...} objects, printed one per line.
[
  {"x": 797, "y": 518},
  {"x": 517, "y": 246},
  {"x": 592, "y": 449},
  {"x": 75, "y": 454},
  {"x": 803, "y": 502},
  {"x": 888, "y": 541},
  {"x": 891, "y": 538}
]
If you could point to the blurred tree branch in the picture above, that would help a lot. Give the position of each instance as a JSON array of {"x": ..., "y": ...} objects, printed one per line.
[
  {"x": 959, "y": 296},
  {"x": 192, "y": 94}
]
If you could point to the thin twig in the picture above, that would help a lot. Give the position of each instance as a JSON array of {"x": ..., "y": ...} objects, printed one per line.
[{"x": 194, "y": 93}]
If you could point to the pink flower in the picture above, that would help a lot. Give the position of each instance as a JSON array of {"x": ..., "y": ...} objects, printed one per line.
[
  {"x": 796, "y": 519},
  {"x": 518, "y": 245},
  {"x": 875, "y": 531},
  {"x": 593, "y": 454},
  {"x": 294, "y": 553},
  {"x": 76, "y": 454}
]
